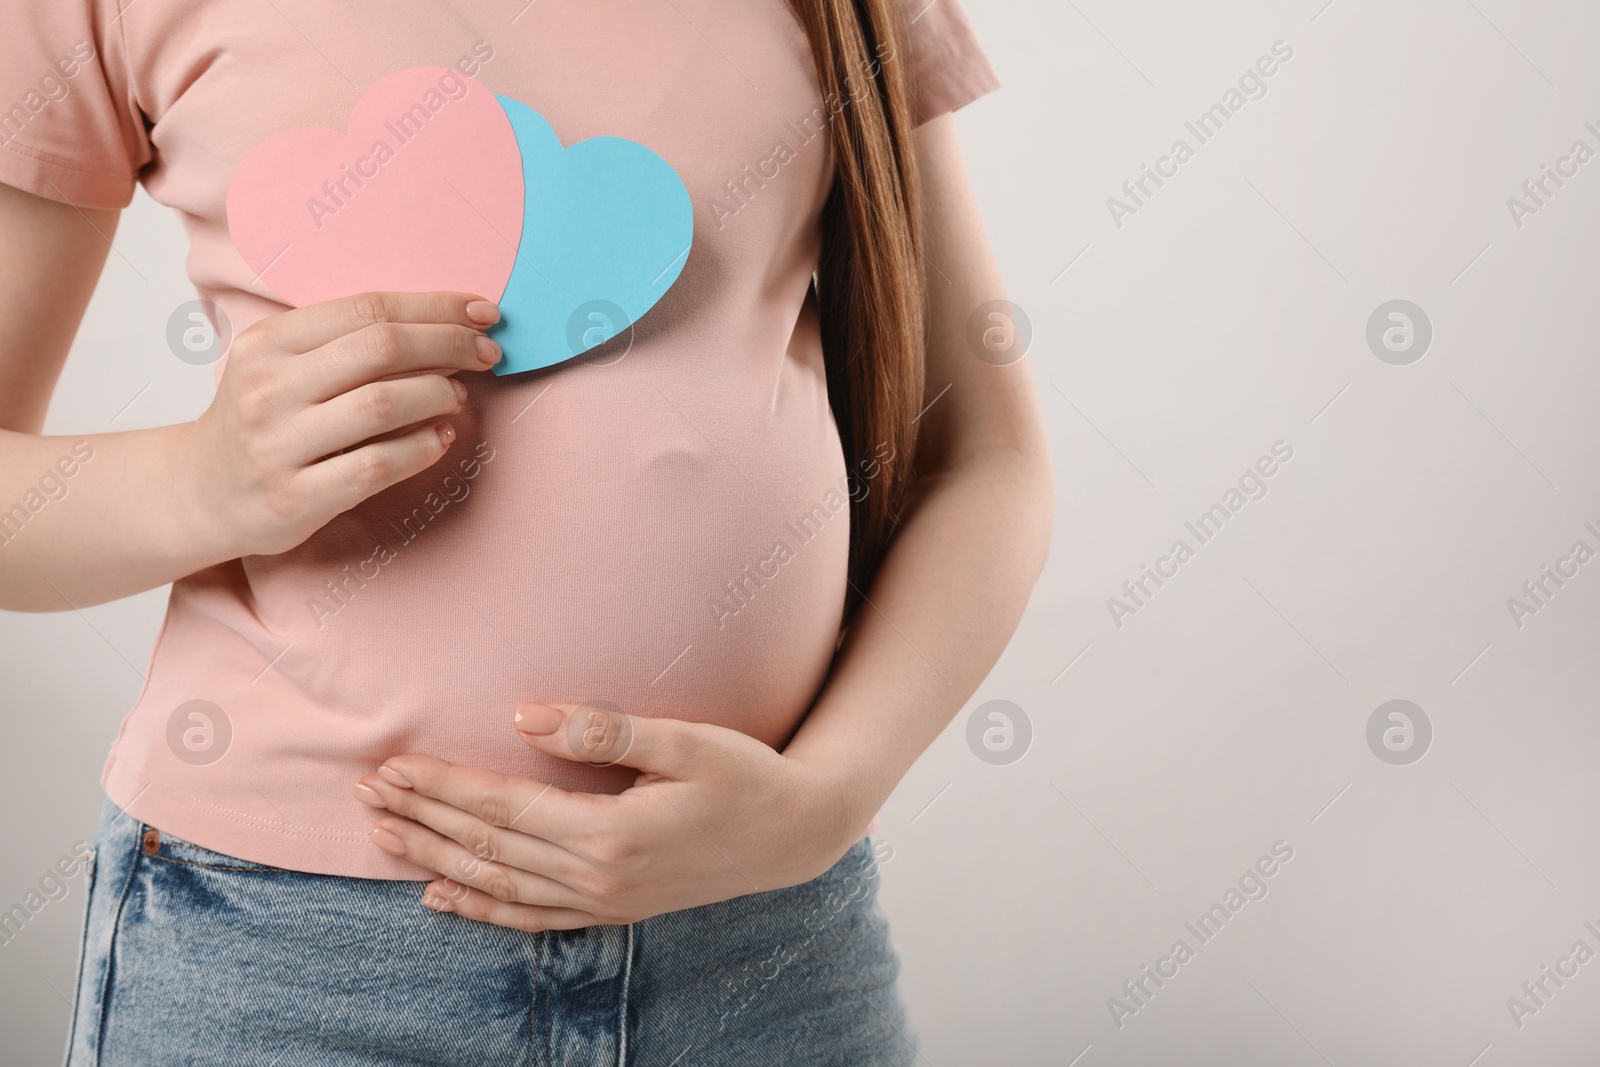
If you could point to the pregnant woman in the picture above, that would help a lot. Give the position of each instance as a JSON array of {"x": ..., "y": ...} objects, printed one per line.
[{"x": 532, "y": 718}]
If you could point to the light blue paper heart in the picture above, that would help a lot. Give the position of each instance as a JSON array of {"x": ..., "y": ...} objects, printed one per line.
[{"x": 606, "y": 229}]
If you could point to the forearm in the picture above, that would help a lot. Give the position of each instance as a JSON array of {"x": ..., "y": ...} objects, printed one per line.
[
  {"x": 939, "y": 613},
  {"x": 91, "y": 518}
]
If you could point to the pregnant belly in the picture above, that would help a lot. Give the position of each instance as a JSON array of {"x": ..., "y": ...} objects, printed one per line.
[{"x": 648, "y": 571}]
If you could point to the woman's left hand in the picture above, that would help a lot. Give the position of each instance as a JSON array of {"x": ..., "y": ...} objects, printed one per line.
[{"x": 713, "y": 814}]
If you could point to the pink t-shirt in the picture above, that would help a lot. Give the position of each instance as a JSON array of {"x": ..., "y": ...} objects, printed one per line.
[{"x": 665, "y": 534}]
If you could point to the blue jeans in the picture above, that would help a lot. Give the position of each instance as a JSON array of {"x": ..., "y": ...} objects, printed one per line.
[{"x": 193, "y": 957}]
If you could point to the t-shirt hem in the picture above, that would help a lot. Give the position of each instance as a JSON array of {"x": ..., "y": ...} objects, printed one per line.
[
  {"x": 61, "y": 180},
  {"x": 276, "y": 843},
  {"x": 944, "y": 95}
]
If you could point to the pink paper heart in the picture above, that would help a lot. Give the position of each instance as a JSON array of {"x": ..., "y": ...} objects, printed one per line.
[{"x": 422, "y": 191}]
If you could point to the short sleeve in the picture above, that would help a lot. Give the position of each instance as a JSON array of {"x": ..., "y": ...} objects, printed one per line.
[
  {"x": 69, "y": 127},
  {"x": 947, "y": 67}
]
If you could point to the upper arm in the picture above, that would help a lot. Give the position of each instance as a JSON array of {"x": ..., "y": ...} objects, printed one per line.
[
  {"x": 52, "y": 257},
  {"x": 986, "y": 405}
]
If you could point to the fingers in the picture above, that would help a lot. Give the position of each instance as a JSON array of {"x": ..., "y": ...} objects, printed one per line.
[
  {"x": 502, "y": 881},
  {"x": 376, "y": 409},
  {"x": 389, "y": 349},
  {"x": 482, "y": 841},
  {"x": 449, "y": 896},
  {"x": 534, "y": 808},
  {"x": 349, "y": 479},
  {"x": 303, "y": 329},
  {"x": 669, "y": 747}
]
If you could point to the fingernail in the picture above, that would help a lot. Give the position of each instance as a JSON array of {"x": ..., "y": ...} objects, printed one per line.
[
  {"x": 482, "y": 312},
  {"x": 488, "y": 350},
  {"x": 368, "y": 795},
  {"x": 461, "y": 390},
  {"x": 389, "y": 842},
  {"x": 394, "y": 777},
  {"x": 539, "y": 719},
  {"x": 446, "y": 433},
  {"x": 438, "y": 897}
]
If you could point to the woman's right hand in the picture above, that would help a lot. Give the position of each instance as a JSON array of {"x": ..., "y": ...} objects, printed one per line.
[
  {"x": 318, "y": 408},
  {"x": 323, "y": 406}
]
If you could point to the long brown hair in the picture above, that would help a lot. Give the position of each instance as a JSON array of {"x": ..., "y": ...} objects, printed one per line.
[{"x": 870, "y": 286}]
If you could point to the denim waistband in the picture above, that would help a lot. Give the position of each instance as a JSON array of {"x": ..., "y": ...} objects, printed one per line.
[{"x": 192, "y": 956}]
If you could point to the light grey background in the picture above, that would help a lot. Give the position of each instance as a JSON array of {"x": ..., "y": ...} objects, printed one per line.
[{"x": 1231, "y": 712}]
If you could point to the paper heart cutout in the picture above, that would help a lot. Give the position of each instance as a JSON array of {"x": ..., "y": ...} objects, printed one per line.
[
  {"x": 421, "y": 191},
  {"x": 605, "y": 232},
  {"x": 438, "y": 184}
]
